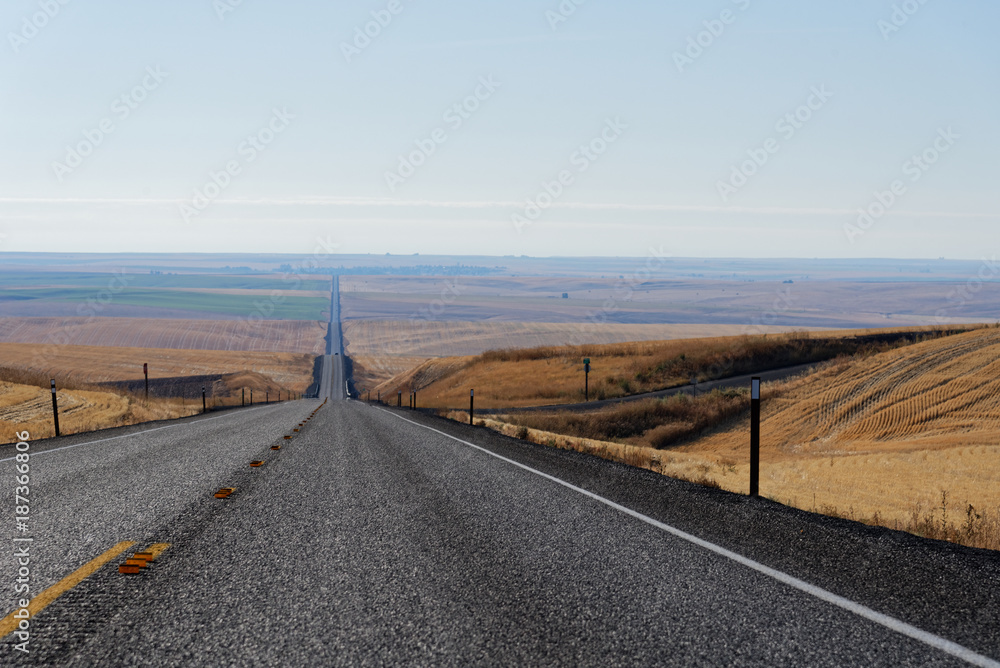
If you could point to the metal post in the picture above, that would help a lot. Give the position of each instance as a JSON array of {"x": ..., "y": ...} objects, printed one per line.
[
  {"x": 755, "y": 436},
  {"x": 472, "y": 399},
  {"x": 399, "y": 399},
  {"x": 379, "y": 399},
  {"x": 414, "y": 400},
  {"x": 267, "y": 397},
  {"x": 586, "y": 379},
  {"x": 145, "y": 373},
  {"x": 251, "y": 396},
  {"x": 55, "y": 407},
  {"x": 204, "y": 407},
  {"x": 243, "y": 397}
]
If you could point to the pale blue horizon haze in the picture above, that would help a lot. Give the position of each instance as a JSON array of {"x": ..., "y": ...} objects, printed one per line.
[{"x": 886, "y": 80}]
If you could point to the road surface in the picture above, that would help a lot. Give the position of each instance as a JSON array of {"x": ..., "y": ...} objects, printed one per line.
[{"x": 386, "y": 537}]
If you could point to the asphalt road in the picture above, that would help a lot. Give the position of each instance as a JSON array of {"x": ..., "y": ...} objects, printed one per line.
[{"x": 386, "y": 537}]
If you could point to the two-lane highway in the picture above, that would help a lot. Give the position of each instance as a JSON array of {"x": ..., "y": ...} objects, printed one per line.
[{"x": 383, "y": 537}]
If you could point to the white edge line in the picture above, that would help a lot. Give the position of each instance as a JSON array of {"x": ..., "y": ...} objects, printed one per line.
[
  {"x": 136, "y": 433},
  {"x": 892, "y": 623}
]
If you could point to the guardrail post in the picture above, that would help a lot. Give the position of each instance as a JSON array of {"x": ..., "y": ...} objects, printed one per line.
[
  {"x": 755, "y": 436},
  {"x": 472, "y": 399},
  {"x": 55, "y": 407}
]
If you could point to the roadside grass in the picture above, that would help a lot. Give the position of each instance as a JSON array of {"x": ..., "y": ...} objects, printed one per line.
[
  {"x": 26, "y": 403},
  {"x": 789, "y": 483}
]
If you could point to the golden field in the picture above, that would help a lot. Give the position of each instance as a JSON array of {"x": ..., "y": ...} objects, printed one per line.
[
  {"x": 293, "y": 336},
  {"x": 381, "y": 349},
  {"x": 25, "y": 407},
  {"x": 85, "y": 405},
  {"x": 553, "y": 375},
  {"x": 29, "y": 408},
  {"x": 97, "y": 364},
  {"x": 908, "y": 438}
]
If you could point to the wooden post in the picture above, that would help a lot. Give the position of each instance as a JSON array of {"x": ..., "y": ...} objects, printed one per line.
[
  {"x": 243, "y": 397},
  {"x": 55, "y": 407},
  {"x": 204, "y": 406},
  {"x": 145, "y": 373},
  {"x": 472, "y": 399},
  {"x": 755, "y": 436}
]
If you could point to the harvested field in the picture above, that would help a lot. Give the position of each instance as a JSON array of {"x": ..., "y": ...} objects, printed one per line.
[
  {"x": 889, "y": 432},
  {"x": 94, "y": 364},
  {"x": 293, "y": 336}
]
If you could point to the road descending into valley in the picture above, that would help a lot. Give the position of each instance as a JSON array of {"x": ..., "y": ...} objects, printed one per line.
[{"x": 386, "y": 537}]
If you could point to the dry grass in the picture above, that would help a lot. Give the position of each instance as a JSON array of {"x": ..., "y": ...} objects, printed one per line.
[
  {"x": 553, "y": 375},
  {"x": 906, "y": 439},
  {"x": 88, "y": 365},
  {"x": 656, "y": 423},
  {"x": 297, "y": 336},
  {"x": 29, "y": 408},
  {"x": 386, "y": 348},
  {"x": 84, "y": 408},
  {"x": 85, "y": 405}
]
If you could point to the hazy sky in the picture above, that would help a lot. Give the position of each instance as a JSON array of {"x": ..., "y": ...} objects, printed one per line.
[{"x": 721, "y": 128}]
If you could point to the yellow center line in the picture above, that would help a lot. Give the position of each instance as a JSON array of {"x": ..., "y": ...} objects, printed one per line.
[{"x": 8, "y": 624}]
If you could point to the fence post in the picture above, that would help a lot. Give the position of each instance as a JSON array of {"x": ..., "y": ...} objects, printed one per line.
[
  {"x": 399, "y": 399},
  {"x": 145, "y": 373},
  {"x": 472, "y": 398},
  {"x": 243, "y": 397},
  {"x": 414, "y": 400},
  {"x": 55, "y": 407},
  {"x": 755, "y": 436},
  {"x": 204, "y": 407}
]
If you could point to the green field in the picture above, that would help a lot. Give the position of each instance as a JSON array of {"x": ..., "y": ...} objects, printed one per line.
[
  {"x": 282, "y": 308},
  {"x": 208, "y": 281}
]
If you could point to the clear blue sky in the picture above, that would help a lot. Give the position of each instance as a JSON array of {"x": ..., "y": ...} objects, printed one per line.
[{"x": 618, "y": 68}]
